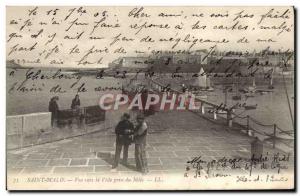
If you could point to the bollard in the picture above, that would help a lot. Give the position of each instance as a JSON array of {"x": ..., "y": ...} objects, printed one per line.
[
  {"x": 215, "y": 115},
  {"x": 22, "y": 132},
  {"x": 274, "y": 135},
  {"x": 202, "y": 108},
  {"x": 229, "y": 118},
  {"x": 256, "y": 148},
  {"x": 248, "y": 123},
  {"x": 84, "y": 120}
]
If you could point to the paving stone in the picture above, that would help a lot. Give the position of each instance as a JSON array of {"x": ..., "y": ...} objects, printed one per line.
[
  {"x": 150, "y": 161},
  {"x": 156, "y": 167},
  {"x": 209, "y": 153},
  {"x": 70, "y": 150},
  {"x": 161, "y": 144},
  {"x": 46, "y": 150},
  {"x": 37, "y": 156},
  {"x": 176, "y": 166},
  {"x": 58, "y": 162},
  {"x": 32, "y": 163},
  {"x": 14, "y": 157},
  {"x": 102, "y": 168},
  {"x": 79, "y": 155},
  {"x": 97, "y": 162},
  {"x": 161, "y": 154},
  {"x": 188, "y": 153},
  {"x": 95, "y": 145},
  {"x": 190, "y": 144},
  {"x": 127, "y": 168},
  {"x": 168, "y": 161},
  {"x": 37, "y": 170},
  {"x": 11, "y": 163},
  {"x": 13, "y": 171},
  {"x": 54, "y": 155},
  {"x": 170, "y": 148},
  {"x": 73, "y": 169},
  {"x": 75, "y": 162},
  {"x": 98, "y": 148},
  {"x": 105, "y": 155},
  {"x": 196, "y": 148}
]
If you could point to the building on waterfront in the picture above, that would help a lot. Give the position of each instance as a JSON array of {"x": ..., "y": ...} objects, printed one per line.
[{"x": 132, "y": 62}]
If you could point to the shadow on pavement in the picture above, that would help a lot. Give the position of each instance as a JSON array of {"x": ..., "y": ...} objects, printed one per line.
[{"x": 109, "y": 158}]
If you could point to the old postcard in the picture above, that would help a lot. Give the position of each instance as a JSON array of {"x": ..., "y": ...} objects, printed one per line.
[{"x": 150, "y": 98}]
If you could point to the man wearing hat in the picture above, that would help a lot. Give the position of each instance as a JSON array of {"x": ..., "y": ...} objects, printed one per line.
[
  {"x": 123, "y": 130},
  {"x": 140, "y": 133},
  {"x": 54, "y": 109}
]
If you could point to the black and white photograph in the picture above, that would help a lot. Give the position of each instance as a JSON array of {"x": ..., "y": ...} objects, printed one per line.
[{"x": 150, "y": 97}]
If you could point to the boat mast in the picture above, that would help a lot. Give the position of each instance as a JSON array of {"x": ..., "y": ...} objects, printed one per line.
[
  {"x": 253, "y": 82},
  {"x": 271, "y": 79},
  {"x": 288, "y": 100},
  {"x": 226, "y": 94}
]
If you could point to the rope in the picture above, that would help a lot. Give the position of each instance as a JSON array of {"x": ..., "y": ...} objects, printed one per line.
[
  {"x": 288, "y": 100},
  {"x": 258, "y": 132},
  {"x": 287, "y": 133},
  {"x": 261, "y": 124},
  {"x": 291, "y": 132},
  {"x": 239, "y": 115}
]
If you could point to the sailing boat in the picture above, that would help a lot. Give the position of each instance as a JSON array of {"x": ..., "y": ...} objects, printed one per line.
[
  {"x": 237, "y": 96},
  {"x": 204, "y": 81},
  {"x": 250, "y": 107},
  {"x": 252, "y": 88},
  {"x": 271, "y": 80},
  {"x": 208, "y": 85},
  {"x": 251, "y": 91}
]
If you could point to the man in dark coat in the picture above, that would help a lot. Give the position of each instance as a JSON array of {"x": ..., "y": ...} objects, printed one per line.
[
  {"x": 140, "y": 133},
  {"x": 124, "y": 131},
  {"x": 75, "y": 106},
  {"x": 53, "y": 108},
  {"x": 75, "y": 103}
]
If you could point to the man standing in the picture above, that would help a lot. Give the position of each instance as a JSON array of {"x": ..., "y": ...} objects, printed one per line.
[
  {"x": 140, "y": 134},
  {"x": 123, "y": 130},
  {"x": 54, "y": 109},
  {"x": 75, "y": 106}
]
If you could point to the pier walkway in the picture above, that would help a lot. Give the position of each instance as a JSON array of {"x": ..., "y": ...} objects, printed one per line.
[{"x": 174, "y": 138}]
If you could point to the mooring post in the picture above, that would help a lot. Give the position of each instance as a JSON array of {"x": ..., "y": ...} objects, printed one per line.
[
  {"x": 215, "y": 114},
  {"x": 202, "y": 108},
  {"x": 229, "y": 118},
  {"x": 22, "y": 132},
  {"x": 248, "y": 121},
  {"x": 84, "y": 120},
  {"x": 274, "y": 136}
]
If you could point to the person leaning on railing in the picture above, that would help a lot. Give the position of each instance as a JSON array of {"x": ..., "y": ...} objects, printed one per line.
[
  {"x": 75, "y": 103},
  {"x": 54, "y": 109},
  {"x": 75, "y": 106}
]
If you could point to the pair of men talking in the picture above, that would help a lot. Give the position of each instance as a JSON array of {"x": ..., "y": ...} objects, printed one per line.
[{"x": 127, "y": 133}]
